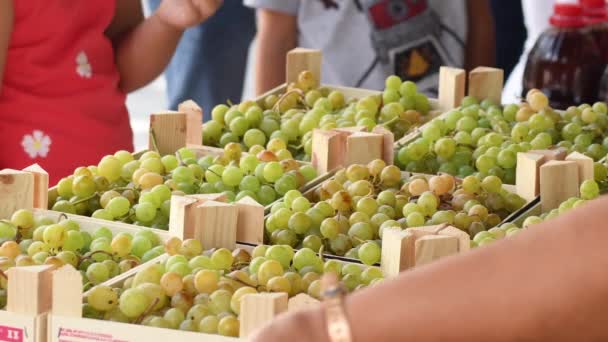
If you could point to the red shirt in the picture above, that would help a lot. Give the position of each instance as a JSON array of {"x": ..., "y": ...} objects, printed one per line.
[{"x": 60, "y": 105}]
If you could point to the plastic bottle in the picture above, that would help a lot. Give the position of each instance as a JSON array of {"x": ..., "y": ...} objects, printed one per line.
[
  {"x": 565, "y": 62},
  {"x": 596, "y": 17}
]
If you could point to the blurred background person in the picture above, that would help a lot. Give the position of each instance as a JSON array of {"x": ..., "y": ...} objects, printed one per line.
[
  {"x": 364, "y": 41},
  {"x": 209, "y": 64},
  {"x": 510, "y": 33}
]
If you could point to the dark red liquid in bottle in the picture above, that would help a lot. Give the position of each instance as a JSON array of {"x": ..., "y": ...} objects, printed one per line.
[
  {"x": 565, "y": 62},
  {"x": 604, "y": 87},
  {"x": 596, "y": 17}
]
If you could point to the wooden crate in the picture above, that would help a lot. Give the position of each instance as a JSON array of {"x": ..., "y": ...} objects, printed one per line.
[
  {"x": 483, "y": 83},
  {"x": 407, "y": 175},
  {"x": 89, "y": 224},
  {"x": 16, "y": 327}
]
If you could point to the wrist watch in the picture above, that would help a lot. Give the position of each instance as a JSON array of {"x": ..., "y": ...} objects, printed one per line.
[{"x": 338, "y": 328}]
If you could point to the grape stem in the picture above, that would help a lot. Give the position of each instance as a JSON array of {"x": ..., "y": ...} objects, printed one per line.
[
  {"x": 153, "y": 138},
  {"x": 257, "y": 287},
  {"x": 284, "y": 96},
  {"x": 147, "y": 312},
  {"x": 89, "y": 256},
  {"x": 179, "y": 159},
  {"x": 62, "y": 216},
  {"x": 82, "y": 200},
  {"x": 390, "y": 122}
]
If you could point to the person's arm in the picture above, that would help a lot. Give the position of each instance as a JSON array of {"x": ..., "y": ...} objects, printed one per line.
[
  {"x": 145, "y": 47},
  {"x": 6, "y": 27},
  {"x": 481, "y": 45},
  {"x": 277, "y": 34},
  {"x": 547, "y": 284}
]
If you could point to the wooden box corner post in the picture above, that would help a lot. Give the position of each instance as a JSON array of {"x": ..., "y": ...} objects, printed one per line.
[
  {"x": 67, "y": 292},
  {"x": 527, "y": 175},
  {"x": 216, "y": 224},
  {"x": 300, "y": 59},
  {"x": 250, "y": 221},
  {"x": 17, "y": 190},
  {"x": 452, "y": 83},
  {"x": 170, "y": 131},
  {"x": 30, "y": 290},
  {"x": 182, "y": 217},
  {"x": 559, "y": 181},
  {"x": 585, "y": 166},
  {"x": 388, "y": 153},
  {"x": 404, "y": 249},
  {"x": 486, "y": 83},
  {"x": 363, "y": 147},
  {"x": 41, "y": 186},
  {"x": 328, "y": 150},
  {"x": 194, "y": 114},
  {"x": 259, "y": 309},
  {"x": 397, "y": 251}
]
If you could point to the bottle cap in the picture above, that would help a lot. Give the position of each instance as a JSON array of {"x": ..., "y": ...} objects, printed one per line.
[
  {"x": 567, "y": 15},
  {"x": 594, "y": 11}
]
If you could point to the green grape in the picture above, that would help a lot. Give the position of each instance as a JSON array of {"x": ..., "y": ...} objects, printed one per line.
[
  {"x": 266, "y": 195},
  {"x": 145, "y": 212},
  {"x": 209, "y": 325},
  {"x": 110, "y": 168},
  {"x": 445, "y": 148},
  {"x": 299, "y": 223},
  {"x": 285, "y": 183},
  {"x": 232, "y": 176},
  {"x": 281, "y": 253},
  {"x": 102, "y": 298},
  {"x": 97, "y": 273},
  {"x": 360, "y": 232},
  {"x": 272, "y": 171},
  {"x": 118, "y": 207},
  {"x": 589, "y": 189},
  {"x": 54, "y": 235},
  {"x": 415, "y": 219},
  {"x": 222, "y": 259},
  {"x": 133, "y": 302},
  {"x": 369, "y": 253},
  {"x": 254, "y": 137},
  {"x": 250, "y": 183}
]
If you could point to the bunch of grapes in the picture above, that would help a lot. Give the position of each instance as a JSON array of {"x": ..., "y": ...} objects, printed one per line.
[
  {"x": 485, "y": 138},
  {"x": 122, "y": 188},
  {"x": 27, "y": 240},
  {"x": 354, "y": 207},
  {"x": 202, "y": 291},
  {"x": 292, "y": 116},
  {"x": 589, "y": 190}
]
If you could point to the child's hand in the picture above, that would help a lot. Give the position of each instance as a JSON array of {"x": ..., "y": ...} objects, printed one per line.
[{"x": 183, "y": 14}]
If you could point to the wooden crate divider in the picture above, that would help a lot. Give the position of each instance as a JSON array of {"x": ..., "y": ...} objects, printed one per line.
[
  {"x": 585, "y": 166},
  {"x": 452, "y": 82},
  {"x": 26, "y": 189},
  {"x": 405, "y": 249},
  {"x": 486, "y": 83},
  {"x": 341, "y": 148},
  {"x": 170, "y": 130},
  {"x": 300, "y": 59},
  {"x": 30, "y": 300},
  {"x": 559, "y": 180},
  {"x": 527, "y": 178},
  {"x": 259, "y": 309}
]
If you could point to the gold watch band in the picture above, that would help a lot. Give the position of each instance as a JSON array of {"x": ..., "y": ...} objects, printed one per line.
[{"x": 338, "y": 328}]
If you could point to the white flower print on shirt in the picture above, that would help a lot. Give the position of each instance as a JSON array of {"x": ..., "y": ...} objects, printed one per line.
[
  {"x": 36, "y": 144},
  {"x": 83, "y": 67}
]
